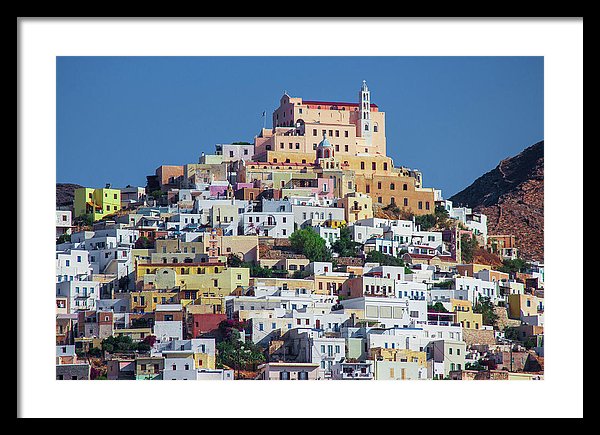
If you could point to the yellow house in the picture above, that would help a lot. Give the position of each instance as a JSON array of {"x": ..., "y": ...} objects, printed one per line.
[
  {"x": 465, "y": 315},
  {"x": 201, "y": 360},
  {"x": 521, "y": 305},
  {"x": 357, "y": 206},
  {"x": 145, "y": 301},
  {"x": 136, "y": 334},
  {"x": 96, "y": 202},
  {"x": 334, "y": 223},
  {"x": 329, "y": 284},
  {"x": 403, "y": 355},
  {"x": 301, "y": 286},
  {"x": 211, "y": 280}
]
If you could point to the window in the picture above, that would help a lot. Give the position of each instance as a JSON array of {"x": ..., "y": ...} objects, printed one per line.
[
  {"x": 449, "y": 351},
  {"x": 346, "y": 148},
  {"x": 426, "y": 205},
  {"x": 346, "y": 134},
  {"x": 420, "y": 205},
  {"x": 392, "y": 186},
  {"x": 362, "y": 165},
  {"x": 373, "y": 166},
  {"x": 314, "y": 131},
  {"x": 405, "y": 186}
]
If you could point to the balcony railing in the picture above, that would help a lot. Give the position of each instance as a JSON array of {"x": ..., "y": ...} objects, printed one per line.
[{"x": 357, "y": 375}]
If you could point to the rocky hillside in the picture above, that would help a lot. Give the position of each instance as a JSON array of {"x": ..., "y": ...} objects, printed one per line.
[
  {"x": 512, "y": 197},
  {"x": 65, "y": 193}
]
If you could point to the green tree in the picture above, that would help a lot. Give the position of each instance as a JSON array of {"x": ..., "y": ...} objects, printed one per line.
[
  {"x": 445, "y": 284},
  {"x": 512, "y": 333},
  {"x": 260, "y": 272},
  {"x": 256, "y": 270},
  {"x": 383, "y": 259},
  {"x": 513, "y": 266},
  {"x": 426, "y": 221},
  {"x": 468, "y": 246},
  {"x": 306, "y": 241},
  {"x": 235, "y": 261},
  {"x": 345, "y": 246},
  {"x": 442, "y": 216},
  {"x": 485, "y": 307},
  {"x": 238, "y": 354},
  {"x": 156, "y": 194},
  {"x": 123, "y": 282},
  {"x": 438, "y": 307},
  {"x": 95, "y": 352},
  {"x": 63, "y": 238},
  {"x": 143, "y": 242},
  {"x": 84, "y": 220},
  {"x": 121, "y": 343}
]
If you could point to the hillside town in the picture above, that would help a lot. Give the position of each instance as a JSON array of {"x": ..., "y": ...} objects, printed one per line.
[{"x": 304, "y": 254}]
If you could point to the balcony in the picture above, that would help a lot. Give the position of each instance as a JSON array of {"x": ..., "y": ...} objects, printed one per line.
[{"x": 357, "y": 375}]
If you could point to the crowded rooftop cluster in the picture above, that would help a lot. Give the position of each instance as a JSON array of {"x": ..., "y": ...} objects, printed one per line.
[{"x": 306, "y": 254}]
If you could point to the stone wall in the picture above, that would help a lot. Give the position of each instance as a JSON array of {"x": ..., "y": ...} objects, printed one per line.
[
  {"x": 479, "y": 336},
  {"x": 503, "y": 320}
]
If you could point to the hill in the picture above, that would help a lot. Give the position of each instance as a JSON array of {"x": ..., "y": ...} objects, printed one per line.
[
  {"x": 65, "y": 194},
  {"x": 512, "y": 197}
]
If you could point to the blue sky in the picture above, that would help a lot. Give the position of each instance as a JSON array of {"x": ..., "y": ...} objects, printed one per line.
[{"x": 453, "y": 118}]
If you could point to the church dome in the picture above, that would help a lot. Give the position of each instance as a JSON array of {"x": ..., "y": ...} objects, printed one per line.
[{"x": 325, "y": 142}]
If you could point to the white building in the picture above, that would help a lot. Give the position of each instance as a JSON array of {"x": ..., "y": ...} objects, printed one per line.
[
  {"x": 279, "y": 225},
  {"x": 63, "y": 222},
  {"x": 390, "y": 312},
  {"x": 83, "y": 295},
  {"x": 72, "y": 264},
  {"x": 316, "y": 215},
  {"x": 168, "y": 329},
  {"x": 472, "y": 220},
  {"x": 330, "y": 235}
]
